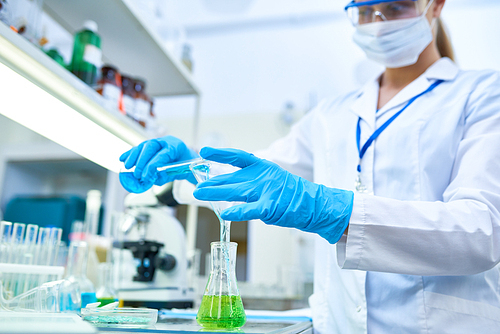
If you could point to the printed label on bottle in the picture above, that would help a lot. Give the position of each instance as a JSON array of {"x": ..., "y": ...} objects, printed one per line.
[
  {"x": 111, "y": 92},
  {"x": 112, "y": 95},
  {"x": 92, "y": 55},
  {"x": 129, "y": 105},
  {"x": 142, "y": 109}
]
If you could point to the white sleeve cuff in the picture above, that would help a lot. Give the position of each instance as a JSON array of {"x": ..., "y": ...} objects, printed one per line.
[
  {"x": 183, "y": 194},
  {"x": 350, "y": 247}
]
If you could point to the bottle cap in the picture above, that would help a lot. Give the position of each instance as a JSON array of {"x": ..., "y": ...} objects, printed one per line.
[
  {"x": 94, "y": 193},
  {"x": 90, "y": 25},
  {"x": 139, "y": 85}
]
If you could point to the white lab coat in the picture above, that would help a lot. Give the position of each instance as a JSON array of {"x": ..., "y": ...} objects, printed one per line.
[{"x": 420, "y": 255}]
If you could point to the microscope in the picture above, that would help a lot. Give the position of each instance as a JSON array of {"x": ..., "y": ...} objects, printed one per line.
[{"x": 151, "y": 256}]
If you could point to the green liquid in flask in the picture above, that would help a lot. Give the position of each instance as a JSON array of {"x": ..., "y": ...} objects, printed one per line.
[{"x": 219, "y": 312}]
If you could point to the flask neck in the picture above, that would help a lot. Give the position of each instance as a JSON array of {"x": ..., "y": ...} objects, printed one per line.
[
  {"x": 222, "y": 281},
  {"x": 105, "y": 276},
  {"x": 223, "y": 257}
]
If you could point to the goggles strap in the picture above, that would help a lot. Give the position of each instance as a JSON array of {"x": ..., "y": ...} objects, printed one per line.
[{"x": 427, "y": 7}]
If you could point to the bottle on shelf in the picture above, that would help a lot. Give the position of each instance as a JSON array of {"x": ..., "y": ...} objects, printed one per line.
[
  {"x": 25, "y": 18},
  {"x": 110, "y": 86},
  {"x": 5, "y": 12},
  {"x": 54, "y": 54},
  {"x": 143, "y": 104},
  {"x": 186, "y": 57},
  {"x": 128, "y": 96},
  {"x": 87, "y": 54}
]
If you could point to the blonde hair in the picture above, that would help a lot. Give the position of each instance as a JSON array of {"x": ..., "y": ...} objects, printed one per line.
[{"x": 443, "y": 41}]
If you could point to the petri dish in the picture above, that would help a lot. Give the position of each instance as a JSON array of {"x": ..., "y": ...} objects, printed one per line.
[{"x": 125, "y": 317}]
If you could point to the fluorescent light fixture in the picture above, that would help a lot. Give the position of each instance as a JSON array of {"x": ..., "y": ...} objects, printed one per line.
[
  {"x": 44, "y": 97},
  {"x": 29, "y": 105}
]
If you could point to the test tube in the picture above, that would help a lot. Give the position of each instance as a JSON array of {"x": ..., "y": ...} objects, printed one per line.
[
  {"x": 55, "y": 241},
  {"x": 43, "y": 251},
  {"x": 17, "y": 242},
  {"x": 41, "y": 245},
  {"x": 29, "y": 254},
  {"x": 5, "y": 234},
  {"x": 30, "y": 243},
  {"x": 52, "y": 248}
]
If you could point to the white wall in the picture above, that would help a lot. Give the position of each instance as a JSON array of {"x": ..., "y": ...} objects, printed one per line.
[
  {"x": 260, "y": 70},
  {"x": 475, "y": 32},
  {"x": 13, "y": 133},
  {"x": 247, "y": 71},
  {"x": 248, "y": 75}
]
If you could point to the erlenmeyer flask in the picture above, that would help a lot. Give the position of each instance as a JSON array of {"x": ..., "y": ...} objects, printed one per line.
[
  {"x": 76, "y": 267},
  {"x": 221, "y": 306}
]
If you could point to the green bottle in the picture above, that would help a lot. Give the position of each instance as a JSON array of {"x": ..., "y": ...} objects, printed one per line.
[
  {"x": 54, "y": 54},
  {"x": 87, "y": 54}
]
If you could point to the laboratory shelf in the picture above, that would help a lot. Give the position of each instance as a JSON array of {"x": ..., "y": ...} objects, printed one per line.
[
  {"x": 32, "y": 63},
  {"x": 128, "y": 42}
]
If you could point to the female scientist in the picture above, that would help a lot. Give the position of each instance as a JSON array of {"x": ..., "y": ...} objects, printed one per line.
[{"x": 400, "y": 178}]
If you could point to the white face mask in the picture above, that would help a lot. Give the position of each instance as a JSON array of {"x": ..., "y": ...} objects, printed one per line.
[{"x": 395, "y": 43}]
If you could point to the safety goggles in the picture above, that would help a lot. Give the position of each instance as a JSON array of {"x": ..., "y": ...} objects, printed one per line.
[{"x": 363, "y": 12}]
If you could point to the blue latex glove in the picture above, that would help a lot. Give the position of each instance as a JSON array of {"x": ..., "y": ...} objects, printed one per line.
[
  {"x": 148, "y": 156},
  {"x": 275, "y": 196}
]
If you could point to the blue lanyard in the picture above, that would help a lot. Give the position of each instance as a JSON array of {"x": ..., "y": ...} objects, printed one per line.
[{"x": 377, "y": 132}]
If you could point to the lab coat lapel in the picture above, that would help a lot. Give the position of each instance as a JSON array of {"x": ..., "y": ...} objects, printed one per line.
[
  {"x": 443, "y": 69},
  {"x": 365, "y": 105},
  {"x": 413, "y": 89}
]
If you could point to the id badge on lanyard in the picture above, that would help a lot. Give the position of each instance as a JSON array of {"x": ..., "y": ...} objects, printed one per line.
[
  {"x": 358, "y": 183},
  {"x": 360, "y": 187}
]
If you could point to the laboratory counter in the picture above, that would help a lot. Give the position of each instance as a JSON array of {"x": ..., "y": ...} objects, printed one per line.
[
  {"x": 183, "y": 323},
  {"x": 191, "y": 327},
  {"x": 168, "y": 322}
]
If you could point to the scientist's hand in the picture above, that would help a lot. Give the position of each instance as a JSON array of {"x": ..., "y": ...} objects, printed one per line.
[
  {"x": 154, "y": 153},
  {"x": 275, "y": 196}
]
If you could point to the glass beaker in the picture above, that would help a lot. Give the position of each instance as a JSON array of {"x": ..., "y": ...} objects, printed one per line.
[
  {"x": 134, "y": 183},
  {"x": 202, "y": 171},
  {"x": 221, "y": 306}
]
